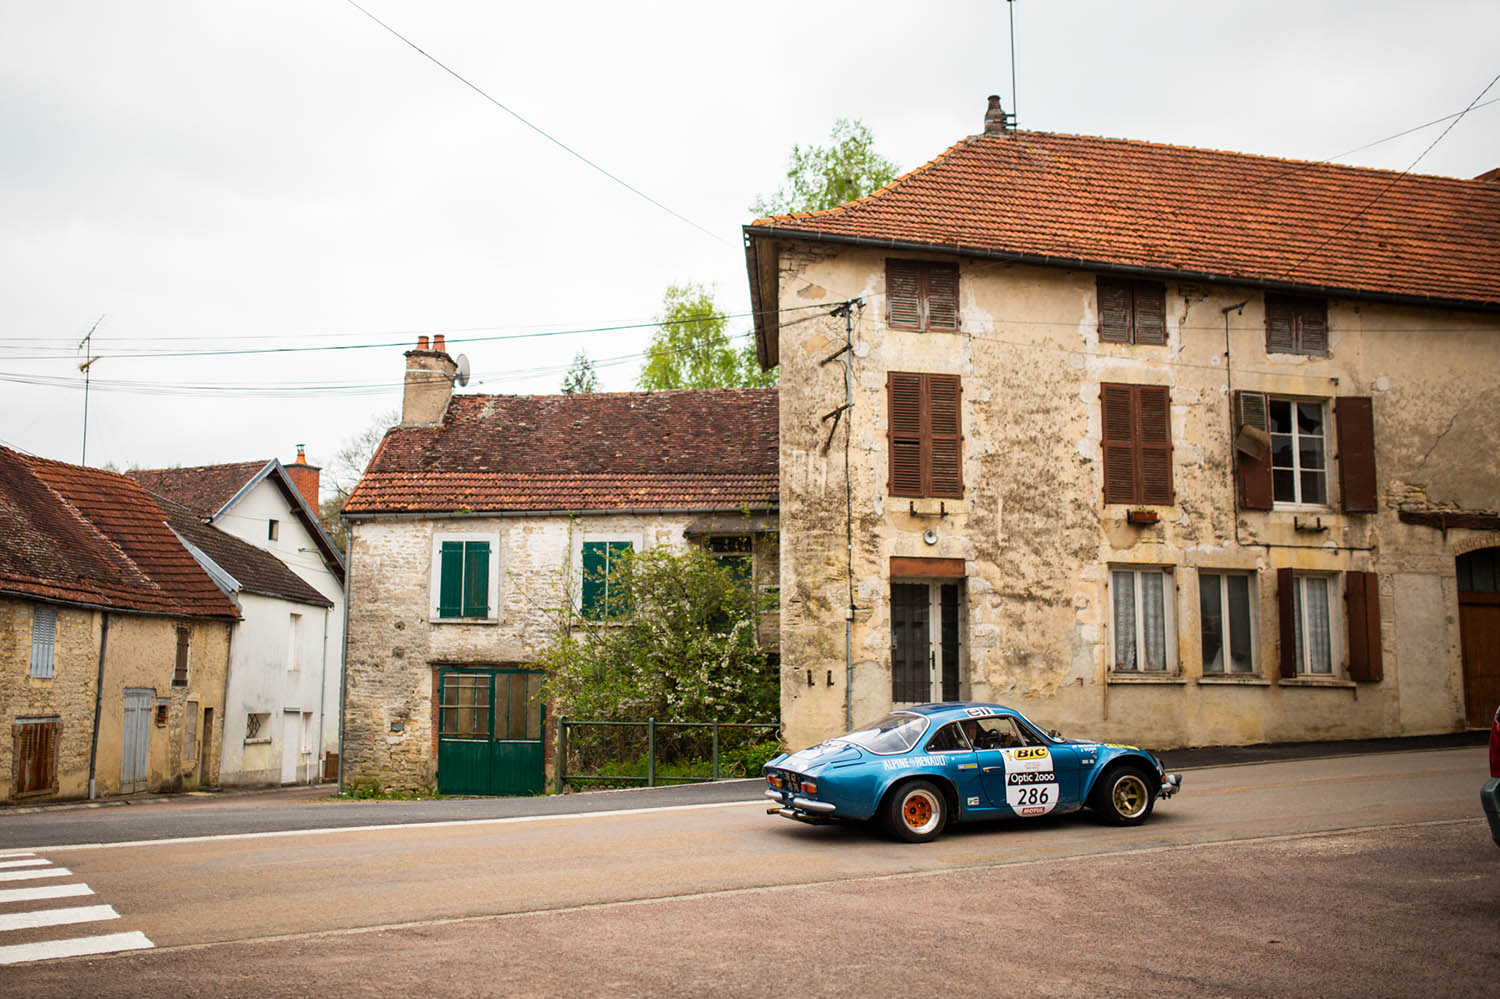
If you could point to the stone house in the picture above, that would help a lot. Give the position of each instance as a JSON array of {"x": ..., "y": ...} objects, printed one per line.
[
  {"x": 114, "y": 643},
  {"x": 481, "y": 514},
  {"x": 1158, "y": 444},
  {"x": 286, "y": 664}
]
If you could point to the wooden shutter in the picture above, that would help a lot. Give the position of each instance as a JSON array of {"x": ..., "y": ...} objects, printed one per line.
[
  {"x": 1286, "y": 595},
  {"x": 903, "y": 306},
  {"x": 1355, "y": 423},
  {"x": 1254, "y": 471},
  {"x": 1114, "y": 310},
  {"x": 945, "y": 449},
  {"x": 451, "y": 579},
  {"x": 617, "y": 589},
  {"x": 1281, "y": 335},
  {"x": 1362, "y": 612},
  {"x": 594, "y": 569},
  {"x": 180, "y": 671},
  {"x": 1150, "y": 312},
  {"x": 942, "y": 297},
  {"x": 905, "y": 434},
  {"x": 476, "y": 579},
  {"x": 1119, "y": 443},
  {"x": 1154, "y": 443},
  {"x": 1312, "y": 326},
  {"x": 34, "y": 747}
]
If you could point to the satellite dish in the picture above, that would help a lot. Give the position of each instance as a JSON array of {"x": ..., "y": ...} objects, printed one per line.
[{"x": 461, "y": 377}]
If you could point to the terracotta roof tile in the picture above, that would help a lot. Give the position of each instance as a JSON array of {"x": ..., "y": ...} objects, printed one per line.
[
  {"x": 89, "y": 536},
  {"x": 688, "y": 450},
  {"x": 1139, "y": 205},
  {"x": 204, "y": 489},
  {"x": 256, "y": 569}
]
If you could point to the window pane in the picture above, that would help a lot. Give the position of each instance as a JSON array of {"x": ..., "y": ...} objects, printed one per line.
[
  {"x": 1124, "y": 587},
  {"x": 1319, "y": 657},
  {"x": 1312, "y": 487},
  {"x": 1241, "y": 656},
  {"x": 1210, "y": 608},
  {"x": 1280, "y": 413},
  {"x": 1285, "y": 484},
  {"x": 1153, "y": 625},
  {"x": 1310, "y": 418}
]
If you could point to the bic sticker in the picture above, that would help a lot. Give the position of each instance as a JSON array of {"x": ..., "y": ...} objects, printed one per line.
[{"x": 1028, "y": 758}]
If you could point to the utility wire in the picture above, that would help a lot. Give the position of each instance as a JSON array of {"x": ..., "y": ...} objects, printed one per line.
[{"x": 536, "y": 128}]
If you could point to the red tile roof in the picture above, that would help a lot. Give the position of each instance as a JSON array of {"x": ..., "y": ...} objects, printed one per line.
[
  {"x": 257, "y": 570},
  {"x": 1082, "y": 201},
  {"x": 688, "y": 450},
  {"x": 204, "y": 489},
  {"x": 88, "y": 536}
]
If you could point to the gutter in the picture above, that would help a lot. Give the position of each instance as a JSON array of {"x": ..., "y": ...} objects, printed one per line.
[
  {"x": 98, "y": 701},
  {"x": 485, "y": 514}
]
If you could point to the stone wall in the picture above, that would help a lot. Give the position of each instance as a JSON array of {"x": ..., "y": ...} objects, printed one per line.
[
  {"x": 1037, "y": 542},
  {"x": 67, "y": 695}
]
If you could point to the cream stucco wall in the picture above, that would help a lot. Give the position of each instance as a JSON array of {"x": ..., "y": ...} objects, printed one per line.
[{"x": 1037, "y": 540}]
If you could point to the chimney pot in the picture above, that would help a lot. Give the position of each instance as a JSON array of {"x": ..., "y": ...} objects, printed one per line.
[
  {"x": 995, "y": 122},
  {"x": 301, "y": 454},
  {"x": 439, "y": 343},
  {"x": 422, "y": 342}
]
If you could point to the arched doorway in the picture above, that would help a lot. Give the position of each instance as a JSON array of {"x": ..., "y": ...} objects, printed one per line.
[{"x": 1479, "y": 629}]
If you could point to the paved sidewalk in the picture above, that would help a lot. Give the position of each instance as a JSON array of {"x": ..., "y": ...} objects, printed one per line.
[{"x": 1220, "y": 756}]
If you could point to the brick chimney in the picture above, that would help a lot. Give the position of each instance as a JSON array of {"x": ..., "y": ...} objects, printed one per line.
[
  {"x": 429, "y": 383},
  {"x": 995, "y": 120},
  {"x": 305, "y": 477}
]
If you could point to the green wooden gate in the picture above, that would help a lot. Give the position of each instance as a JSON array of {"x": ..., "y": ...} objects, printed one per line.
[{"x": 490, "y": 731}]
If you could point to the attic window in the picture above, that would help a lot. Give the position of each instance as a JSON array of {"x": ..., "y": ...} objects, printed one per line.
[
  {"x": 921, "y": 295},
  {"x": 273, "y": 529}
]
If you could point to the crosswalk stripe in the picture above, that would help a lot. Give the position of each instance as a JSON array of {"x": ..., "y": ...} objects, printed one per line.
[
  {"x": 33, "y": 862},
  {"x": 50, "y": 872},
  {"x": 50, "y": 950},
  {"x": 13, "y": 856},
  {"x": 43, "y": 891},
  {"x": 57, "y": 917}
]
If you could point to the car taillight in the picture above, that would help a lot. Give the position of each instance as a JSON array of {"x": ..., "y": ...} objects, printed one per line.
[
  {"x": 1495, "y": 746},
  {"x": 774, "y": 780},
  {"x": 808, "y": 787}
]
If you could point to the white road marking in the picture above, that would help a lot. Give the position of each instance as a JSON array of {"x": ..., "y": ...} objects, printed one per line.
[
  {"x": 15, "y": 856},
  {"x": 50, "y": 872},
  {"x": 57, "y": 917},
  {"x": 50, "y": 950},
  {"x": 396, "y": 826},
  {"x": 33, "y": 862},
  {"x": 46, "y": 891}
]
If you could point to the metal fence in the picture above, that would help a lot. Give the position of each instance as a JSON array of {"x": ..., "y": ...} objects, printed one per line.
[{"x": 599, "y": 754}]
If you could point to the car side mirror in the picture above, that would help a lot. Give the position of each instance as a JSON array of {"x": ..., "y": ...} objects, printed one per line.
[{"x": 1055, "y": 734}]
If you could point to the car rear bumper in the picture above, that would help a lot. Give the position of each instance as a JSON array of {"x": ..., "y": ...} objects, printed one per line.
[
  {"x": 1170, "y": 785},
  {"x": 799, "y": 808},
  {"x": 1489, "y": 796}
]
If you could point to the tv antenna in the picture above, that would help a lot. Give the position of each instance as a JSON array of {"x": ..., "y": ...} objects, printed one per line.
[
  {"x": 1011, "y": 6},
  {"x": 87, "y": 346}
]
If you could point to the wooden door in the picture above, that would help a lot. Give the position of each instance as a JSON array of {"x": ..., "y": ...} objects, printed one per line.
[
  {"x": 1479, "y": 628},
  {"x": 134, "y": 750}
]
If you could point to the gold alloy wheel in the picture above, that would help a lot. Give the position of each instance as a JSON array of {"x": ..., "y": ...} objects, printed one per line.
[
  {"x": 920, "y": 811},
  {"x": 1130, "y": 796}
]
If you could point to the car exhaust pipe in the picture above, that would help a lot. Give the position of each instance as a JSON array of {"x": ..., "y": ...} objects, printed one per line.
[{"x": 1170, "y": 785}]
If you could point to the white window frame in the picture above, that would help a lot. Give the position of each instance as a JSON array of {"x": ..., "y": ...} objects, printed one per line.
[
  {"x": 1337, "y": 666},
  {"x": 435, "y": 577},
  {"x": 1299, "y": 503},
  {"x": 1169, "y": 619},
  {"x": 635, "y": 539},
  {"x": 1221, "y": 575},
  {"x": 43, "y": 646},
  {"x": 294, "y": 642}
]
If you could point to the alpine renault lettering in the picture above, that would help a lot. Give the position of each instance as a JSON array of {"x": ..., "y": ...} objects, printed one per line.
[{"x": 919, "y": 768}]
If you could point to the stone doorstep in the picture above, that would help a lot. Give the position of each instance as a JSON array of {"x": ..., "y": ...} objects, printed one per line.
[{"x": 327, "y": 790}]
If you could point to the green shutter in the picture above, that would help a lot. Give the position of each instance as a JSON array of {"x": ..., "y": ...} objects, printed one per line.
[
  {"x": 595, "y": 569},
  {"x": 451, "y": 579},
  {"x": 617, "y": 595},
  {"x": 476, "y": 579}
]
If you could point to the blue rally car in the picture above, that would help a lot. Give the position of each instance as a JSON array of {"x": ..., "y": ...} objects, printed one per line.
[{"x": 919, "y": 768}]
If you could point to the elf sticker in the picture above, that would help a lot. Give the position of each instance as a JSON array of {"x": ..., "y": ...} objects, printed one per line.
[{"x": 1030, "y": 781}]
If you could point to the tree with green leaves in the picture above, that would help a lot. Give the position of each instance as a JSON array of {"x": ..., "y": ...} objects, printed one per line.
[
  {"x": 343, "y": 472},
  {"x": 581, "y": 377},
  {"x": 817, "y": 177},
  {"x": 692, "y": 347}
]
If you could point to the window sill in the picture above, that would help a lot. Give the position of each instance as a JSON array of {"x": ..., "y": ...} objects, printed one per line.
[
  {"x": 1318, "y": 681},
  {"x": 1127, "y": 678},
  {"x": 258, "y": 742},
  {"x": 463, "y": 620},
  {"x": 1246, "y": 680}
]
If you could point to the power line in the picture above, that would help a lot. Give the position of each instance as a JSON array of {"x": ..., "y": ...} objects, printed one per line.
[{"x": 536, "y": 128}]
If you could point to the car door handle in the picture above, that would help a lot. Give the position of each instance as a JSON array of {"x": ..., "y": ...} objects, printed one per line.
[{"x": 994, "y": 770}]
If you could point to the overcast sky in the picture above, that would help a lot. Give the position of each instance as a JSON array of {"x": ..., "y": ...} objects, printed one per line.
[{"x": 232, "y": 175}]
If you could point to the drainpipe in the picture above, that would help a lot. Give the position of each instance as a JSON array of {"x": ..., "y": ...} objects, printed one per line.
[
  {"x": 98, "y": 699},
  {"x": 344, "y": 663},
  {"x": 1234, "y": 458}
]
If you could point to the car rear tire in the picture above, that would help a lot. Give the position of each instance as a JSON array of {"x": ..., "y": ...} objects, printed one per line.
[
  {"x": 1125, "y": 797},
  {"x": 916, "y": 812}
]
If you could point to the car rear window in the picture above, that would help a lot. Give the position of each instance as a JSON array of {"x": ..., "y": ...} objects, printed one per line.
[{"x": 895, "y": 733}]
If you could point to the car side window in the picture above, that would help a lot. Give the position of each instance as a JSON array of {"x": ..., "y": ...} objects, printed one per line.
[
  {"x": 950, "y": 738},
  {"x": 1001, "y": 733}
]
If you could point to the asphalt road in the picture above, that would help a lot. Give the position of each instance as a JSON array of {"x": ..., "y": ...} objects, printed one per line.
[{"x": 1371, "y": 875}]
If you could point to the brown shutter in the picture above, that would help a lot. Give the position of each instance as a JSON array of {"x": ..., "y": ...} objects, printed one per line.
[
  {"x": 905, "y": 435},
  {"x": 942, "y": 297},
  {"x": 1150, "y": 312},
  {"x": 1312, "y": 326},
  {"x": 1254, "y": 469},
  {"x": 1362, "y": 612},
  {"x": 1286, "y": 619},
  {"x": 1355, "y": 423},
  {"x": 903, "y": 309},
  {"x": 946, "y": 478},
  {"x": 1119, "y": 443},
  {"x": 1281, "y": 336},
  {"x": 1114, "y": 311},
  {"x": 1154, "y": 438}
]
